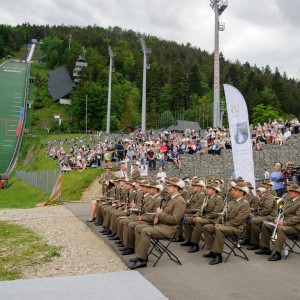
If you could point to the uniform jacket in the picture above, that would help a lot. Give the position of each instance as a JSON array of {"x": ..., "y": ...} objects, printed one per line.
[
  {"x": 253, "y": 201},
  {"x": 291, "y": 212},
  {"x": 195, "y": 202},
  {"x": 238, "y": 213},
  {"x": 153, "y": 203},
  {"x": 214, "y": 207},
  {"x": 169, "y": 219},
  {"x": 267, "y": 207},
  {"x": 135, "y": 174}
]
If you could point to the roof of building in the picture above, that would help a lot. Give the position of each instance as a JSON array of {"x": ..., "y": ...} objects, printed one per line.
[
  {"x": 60, "y": 83},
  {"x": 181, "y": 125}
]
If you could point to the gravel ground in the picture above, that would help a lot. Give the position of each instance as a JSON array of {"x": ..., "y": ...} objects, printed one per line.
[{"x": 82, "y": 251}]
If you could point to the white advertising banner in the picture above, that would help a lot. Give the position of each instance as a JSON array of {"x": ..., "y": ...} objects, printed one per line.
[{"x": 240, "y": 133}]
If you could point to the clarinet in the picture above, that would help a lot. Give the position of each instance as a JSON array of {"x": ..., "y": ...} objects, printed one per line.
[
  {"x": 155, "y": 221},
  {"x": 204, "y": 205},
  {"x": 142, "y": 205}
]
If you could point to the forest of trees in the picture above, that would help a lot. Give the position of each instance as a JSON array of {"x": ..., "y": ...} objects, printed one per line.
[{"x": 180, "y": 78}]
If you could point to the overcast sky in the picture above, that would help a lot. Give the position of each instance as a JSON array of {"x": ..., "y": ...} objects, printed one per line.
[{"x": 262, "y": 32}]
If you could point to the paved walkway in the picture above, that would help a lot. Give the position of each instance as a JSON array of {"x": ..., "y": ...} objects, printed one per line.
[
  {"x": 196, "y": 279},
  {"x": 119, "y": 285}
]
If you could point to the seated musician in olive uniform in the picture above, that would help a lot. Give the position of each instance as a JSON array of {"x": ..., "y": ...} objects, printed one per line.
[
  {"x": 288, "y": 223},
  {"x": 193, "y": 205},
  {"x": 231, "y": 223},
  {"x": 166, "y": 223},
  {"x": 267, "y": 210},
  {"x": 211, "y": 207},
  {"x": 148, "y": 217}
]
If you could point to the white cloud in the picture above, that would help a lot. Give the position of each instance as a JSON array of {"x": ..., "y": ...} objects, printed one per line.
[{"x": 262, "y": 32}]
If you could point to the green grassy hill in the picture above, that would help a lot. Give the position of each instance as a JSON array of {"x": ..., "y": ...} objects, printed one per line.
[{"x": 33, "y": 158}]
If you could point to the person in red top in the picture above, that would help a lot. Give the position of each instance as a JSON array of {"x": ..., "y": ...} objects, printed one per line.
[{"x": 151, "y": 159}]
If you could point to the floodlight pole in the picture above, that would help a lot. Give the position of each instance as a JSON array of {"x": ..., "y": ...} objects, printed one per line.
[
  {"x": 111, "y": 62},
  {"x": 218, "y": 6},
  {"x": 86, "y": 114},
  {"x": 70, "y": 38},
  {"x": 146, "y": 66}
]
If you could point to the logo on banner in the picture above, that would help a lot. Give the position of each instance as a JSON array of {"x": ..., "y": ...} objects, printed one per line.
[{"x": 240, "y": 132}]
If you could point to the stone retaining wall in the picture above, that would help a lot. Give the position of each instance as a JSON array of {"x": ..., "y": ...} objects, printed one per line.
[{"x": 222, "y": 166}]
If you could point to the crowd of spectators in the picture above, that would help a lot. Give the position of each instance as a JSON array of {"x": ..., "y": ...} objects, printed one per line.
[{"x": 155, "y": 150}]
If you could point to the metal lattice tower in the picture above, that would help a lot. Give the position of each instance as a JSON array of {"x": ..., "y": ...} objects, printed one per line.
[
  {"x": 146, "y": 66},
  {"x": 111, "y": 69},
  {"x": 218, "y": 6}
]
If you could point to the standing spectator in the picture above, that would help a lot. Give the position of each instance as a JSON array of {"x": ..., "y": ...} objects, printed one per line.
[
  {"x": 151, "y": 159},
  {"x": 277, "y": 179},
  {"x": 161, "y": 158}
]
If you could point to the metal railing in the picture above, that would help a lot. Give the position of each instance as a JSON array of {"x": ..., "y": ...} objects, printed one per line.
[{"x": 42, "y": 180}]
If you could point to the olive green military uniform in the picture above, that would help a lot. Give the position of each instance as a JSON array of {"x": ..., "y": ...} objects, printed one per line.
[
  {"x": 291, "y": 225},
  {"x": 238, "y": 213},
  {"x": 210, "y": 214},
  {"x": 167, "y": 226},
  {"x": 193, "y": 205},
  {"x": 267, "y": 210}
]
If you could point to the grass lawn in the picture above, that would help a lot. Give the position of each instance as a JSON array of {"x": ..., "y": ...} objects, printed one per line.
[{"x": 20, "y": 247}]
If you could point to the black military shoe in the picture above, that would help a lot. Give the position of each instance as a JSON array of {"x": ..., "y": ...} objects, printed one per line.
[
  {"x": 209, "y": 254},
  {"x": 107, "y": 232},
  {"x": 274, "y": 257},
  {"x": 217, "y": 259},
  {"x": 140, "y": 263},
  {"x": 119, "y": 242},
  {"x": 253, "y": 247},
  {"x": 103, "y": 230},
  {"x": 187, "y": 243},
  {"x": 111, "y": 235},
  {"x": 263, "y": 251},
  {"x": 194, "y": 248},
  {"x": 98, "y": 223},
  {"x": 128, "y": 251}
]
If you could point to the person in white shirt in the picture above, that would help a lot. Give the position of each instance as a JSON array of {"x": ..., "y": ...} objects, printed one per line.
[
  {"x": 287, "y": 133},
  {"x": 161, "y": 173}
]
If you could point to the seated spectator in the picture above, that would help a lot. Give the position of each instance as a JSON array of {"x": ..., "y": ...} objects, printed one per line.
[
  {"x": 279, "y": 138},
  {"x": 287, "y": 134},
  {"x": 175, "y": 158}
]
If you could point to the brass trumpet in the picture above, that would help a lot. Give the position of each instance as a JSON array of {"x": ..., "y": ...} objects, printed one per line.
[{"x": 279, "y": 218}]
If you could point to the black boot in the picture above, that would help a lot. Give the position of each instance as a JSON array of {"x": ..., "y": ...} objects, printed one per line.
[
  {"x": 274, "y": 257},
  {"x": 216, "y": 260},
  {"x": 210, "y": 254},
  {"x": 194, "y": 248}
]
